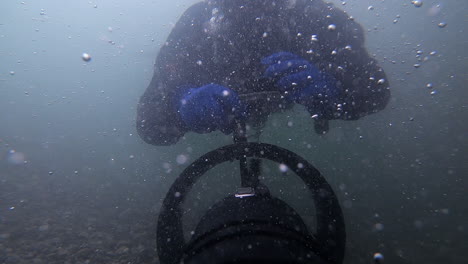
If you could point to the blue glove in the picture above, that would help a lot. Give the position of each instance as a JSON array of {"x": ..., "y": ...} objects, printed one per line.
[
  {"x": 209, "y": 108},
  {"x": 298, "y": 79}
]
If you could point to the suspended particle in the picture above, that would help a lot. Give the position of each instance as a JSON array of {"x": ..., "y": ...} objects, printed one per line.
[
  {"x": 433, "y": 53},
  {"x": 51, "y": 172},
  {"x": 348, "y": 47},
  {"x": 370, "y": 8},
  {"x": 381, "y": 81},
  {"x": 417, "y": 3},
  {"x": 331, "y": 27},
  {"x": 378, "y": 227},
  {"x": 417, "y": 65},
  {"x": 429, "y": 85},
  {"x": 15, "y": 157},
  {"x": 12, "y": 73},
  {"x": 314, "y": 38},
  {"x": 434, "y": 92},
  {"x": 442, "y": 24},
  {"x": 86, "y": 57},
  {"x": 418, "y": 224},
  {"x": 43, "y": 227},
  {"x": 181, "y": 159},
  {"x": 445, "y": 211}
]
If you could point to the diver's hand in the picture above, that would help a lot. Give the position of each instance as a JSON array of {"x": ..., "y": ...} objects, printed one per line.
[
  {"x": 209, "y": 108},
  {"x": 298, "y": 79}
]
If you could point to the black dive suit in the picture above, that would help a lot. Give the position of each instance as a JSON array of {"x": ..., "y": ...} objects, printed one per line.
[{"x": 223, "y": 42}]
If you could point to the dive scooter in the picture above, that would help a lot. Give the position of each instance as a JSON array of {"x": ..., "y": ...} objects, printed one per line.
[{"x": 252, "y": 226}]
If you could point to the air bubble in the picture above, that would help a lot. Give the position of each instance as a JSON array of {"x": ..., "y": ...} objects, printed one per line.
[
  {"x": 378, "y": 257},
  {"x": 442, "y": 24},
  {"x": 417, "y": 3},
  {"x": 86, "y": 57},
  {"x": 283, "y": 167}
]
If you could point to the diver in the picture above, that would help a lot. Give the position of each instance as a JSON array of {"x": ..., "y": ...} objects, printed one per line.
[
  {"x": 306, "y": 51},
  {"x": 227, "y": 61}
]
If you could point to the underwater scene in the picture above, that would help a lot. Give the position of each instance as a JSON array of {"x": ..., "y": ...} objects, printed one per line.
[{"x": 233, "y": 131}]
